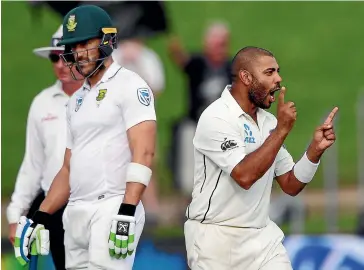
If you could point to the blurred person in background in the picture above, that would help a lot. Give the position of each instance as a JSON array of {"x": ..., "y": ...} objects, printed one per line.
[
  {"x": 207, "y": 74},
  {"x": 133, "y": 54},
  {"x": 45, "y": 144}
]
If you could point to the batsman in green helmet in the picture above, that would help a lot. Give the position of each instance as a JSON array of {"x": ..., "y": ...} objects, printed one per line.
[
  {"x": 111, "y": 132},
  {"x": 89, "y": 39}
]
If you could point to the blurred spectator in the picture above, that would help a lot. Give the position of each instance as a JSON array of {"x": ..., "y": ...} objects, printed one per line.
[
  {"x": 133, "y": 54},
  {"x": 44, "y": 152},
  {"x": 207, "y": 73}
]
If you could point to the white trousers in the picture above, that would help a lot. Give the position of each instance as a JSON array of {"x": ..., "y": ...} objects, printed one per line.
[
  {"x": 214, "y": 247},
  {"x": 87, "y": 228}
]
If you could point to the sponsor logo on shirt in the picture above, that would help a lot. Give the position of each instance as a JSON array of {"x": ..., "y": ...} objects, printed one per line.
[
  {"x": 79, "y": 101},
  {"x": 249, "y": 138},
  {"x": 49, "y": 117},
  {"x": 228, "y": 145},
  {"x": 144, "y": 96}
]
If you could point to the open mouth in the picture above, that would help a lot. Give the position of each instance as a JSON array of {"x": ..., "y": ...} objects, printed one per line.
[{"x": 272, "y": 94}]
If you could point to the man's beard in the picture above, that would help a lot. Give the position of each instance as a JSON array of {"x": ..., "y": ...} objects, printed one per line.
[
  {"x": 258, "y": 94},
  {"x": 93, "y": 71}
]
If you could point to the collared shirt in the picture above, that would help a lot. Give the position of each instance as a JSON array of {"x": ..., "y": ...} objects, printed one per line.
[
  {"x": 44, "y": 152},
  {"x": 98, "y": 119},
  {"x": 225, "y": 134}
]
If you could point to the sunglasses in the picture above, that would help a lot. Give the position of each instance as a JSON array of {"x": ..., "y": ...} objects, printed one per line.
[{"x": 54, "y": 57}]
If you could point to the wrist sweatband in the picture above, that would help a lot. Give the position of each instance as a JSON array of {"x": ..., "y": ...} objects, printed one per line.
[
  {"x": 139, "y": 173},
  {"x": 127, "y": 209},
  {"x": 42, "y": 218},
  {"x": 304, "y": 170}
]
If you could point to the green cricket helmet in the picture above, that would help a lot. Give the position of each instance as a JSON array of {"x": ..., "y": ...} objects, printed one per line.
[{"x": 82, "y": 24}]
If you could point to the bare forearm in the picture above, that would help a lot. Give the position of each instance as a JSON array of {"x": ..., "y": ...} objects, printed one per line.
[
  {"x": 58, "y": 194},
  {"x": 258, "y": 162},
  {"x": 291, "y": 185},
  {"x": 133, "y": 193}
]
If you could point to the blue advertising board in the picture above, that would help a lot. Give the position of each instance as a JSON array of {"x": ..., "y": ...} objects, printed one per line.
[{"x": 326, "y": 252}]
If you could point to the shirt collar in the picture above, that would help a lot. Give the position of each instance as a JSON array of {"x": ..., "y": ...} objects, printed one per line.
[
  {"x": 58, "y": 90},
  {"x": 231, "y": 102},
  {"x": 235, "y": 107},
  {"x": 110, "y": 73}
]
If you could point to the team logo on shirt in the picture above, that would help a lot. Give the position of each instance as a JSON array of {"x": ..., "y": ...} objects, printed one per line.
[
  {"x": 228, "y": 145},
  {"x": 79, "y": 101},
  {"x": 144, "y": 96},
  {"x": 249, "y": 138},
  {"x": 101, "y": 95}
]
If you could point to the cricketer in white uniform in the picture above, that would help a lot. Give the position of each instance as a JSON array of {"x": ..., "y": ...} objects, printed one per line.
[
  {"x": 110, "y": 145},
  {"x": 45, "y": 144},
  {"x": 238, "y": 152}
]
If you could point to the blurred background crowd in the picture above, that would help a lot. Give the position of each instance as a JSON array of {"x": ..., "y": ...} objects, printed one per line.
[{"x": 183, "y": 50}]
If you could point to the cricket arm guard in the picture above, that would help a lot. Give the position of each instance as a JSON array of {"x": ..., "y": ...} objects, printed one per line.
[
  {"x": 122, "y": 232},
  {"x": 28, "y": 231},
  {"x": 304, "y": 170}
]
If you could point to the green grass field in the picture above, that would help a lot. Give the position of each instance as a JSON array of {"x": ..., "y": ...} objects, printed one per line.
[{"x": 318, "y": 46}]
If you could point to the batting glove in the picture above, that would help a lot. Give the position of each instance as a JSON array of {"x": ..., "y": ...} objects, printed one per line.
[
  {"x": 121, "y": 238},
  {"x": 28, "y": 231}
]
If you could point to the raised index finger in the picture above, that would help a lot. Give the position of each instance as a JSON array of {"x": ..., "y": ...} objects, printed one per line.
[
  {"x": 281, "y": 96},
  {"x": 331, "y": 116}
]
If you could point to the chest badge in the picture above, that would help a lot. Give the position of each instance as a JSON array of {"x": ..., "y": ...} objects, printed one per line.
[
  {"x": 79, "y": 101},
  {"x": 100, "y": 96},
  {"x": 249, "y": 138}
]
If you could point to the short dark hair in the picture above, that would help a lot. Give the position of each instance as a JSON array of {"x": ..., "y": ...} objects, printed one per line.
[{"x": 245, "y": 57}]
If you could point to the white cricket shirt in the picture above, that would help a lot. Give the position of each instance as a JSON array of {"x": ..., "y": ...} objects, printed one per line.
[
  {"x": 225, "y": 134},
  {"x": 98, "y": 120},
  {"x": 44, "y": 151}
]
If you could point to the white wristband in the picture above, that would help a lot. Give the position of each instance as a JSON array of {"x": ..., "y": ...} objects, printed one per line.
[
  {"x": 305, "y": 170},
  {"x": 139, "y": 173}
]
